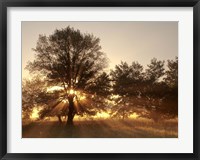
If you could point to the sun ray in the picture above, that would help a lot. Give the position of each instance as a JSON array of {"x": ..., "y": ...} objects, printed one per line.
[
  {"x": 58, "y": 108},
  {"x": 54, "y": 88}
]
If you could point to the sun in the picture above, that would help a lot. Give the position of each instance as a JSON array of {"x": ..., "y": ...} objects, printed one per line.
[{"x": 72, "y": 92}]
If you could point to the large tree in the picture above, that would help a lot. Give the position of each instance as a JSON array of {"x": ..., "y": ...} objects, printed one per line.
[{"x": 72, "y": 60}]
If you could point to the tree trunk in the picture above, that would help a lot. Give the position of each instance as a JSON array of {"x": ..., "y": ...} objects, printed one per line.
[{"x": 71, "y": 112}]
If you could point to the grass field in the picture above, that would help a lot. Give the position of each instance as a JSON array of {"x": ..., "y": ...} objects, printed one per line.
[{"x": 107, "y": 128}]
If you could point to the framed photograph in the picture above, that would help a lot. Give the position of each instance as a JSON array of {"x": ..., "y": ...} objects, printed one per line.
[{"x": 99, "y": 79}]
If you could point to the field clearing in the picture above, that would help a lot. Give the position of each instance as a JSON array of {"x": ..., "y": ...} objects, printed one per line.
[{"x": 102, "y": 128}]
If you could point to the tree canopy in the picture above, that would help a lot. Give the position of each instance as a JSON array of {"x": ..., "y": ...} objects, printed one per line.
[
  {"x": 72, "y": 60},
  {"x": 69, "y": 58}
]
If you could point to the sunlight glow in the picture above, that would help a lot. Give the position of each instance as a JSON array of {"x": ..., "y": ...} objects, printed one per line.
[
  {"x": 82, "y": 97},
  {"x": 71, "y": 91},
  {"x": 110, "y": 102},
  {"x": 102, "y": 115},
  {"x": 54, "y": 88},
  {"x": 114, "y": 96},
  {"x": 35, "y": 114},
  {"x": 64, "y": 101},
  {"x": 134, "y": 116}
]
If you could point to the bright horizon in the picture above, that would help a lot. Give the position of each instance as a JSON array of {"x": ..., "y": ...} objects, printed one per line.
[{"x": 121, "y": 41}]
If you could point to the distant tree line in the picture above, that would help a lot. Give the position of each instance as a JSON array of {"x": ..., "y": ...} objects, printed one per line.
[{"x": 152, "y": 93}]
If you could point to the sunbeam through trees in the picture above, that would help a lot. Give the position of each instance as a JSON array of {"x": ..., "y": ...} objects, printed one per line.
[{"x": 73, "y": 91}]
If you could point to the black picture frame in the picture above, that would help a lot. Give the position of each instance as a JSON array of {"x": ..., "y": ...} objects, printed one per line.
[{"x": 98, "y": 3}]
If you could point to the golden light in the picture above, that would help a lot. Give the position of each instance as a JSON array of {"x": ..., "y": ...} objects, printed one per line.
[
  {"x": 111, "y": 102},
  {"x": 71, "y": 91},
  {"x": 35, "y": 114},
  {"x": 103, "y": 115},
  {"x": 64, "y": 101},
  {"x": 54, "y": 88},
  {"x": 134, "y": 116},
  {"x": 82, "y": 97},
  {"x": 114, "y": 96}
]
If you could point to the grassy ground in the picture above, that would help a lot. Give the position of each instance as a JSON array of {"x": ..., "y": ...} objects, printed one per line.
[{"x": 130, "y": 128}]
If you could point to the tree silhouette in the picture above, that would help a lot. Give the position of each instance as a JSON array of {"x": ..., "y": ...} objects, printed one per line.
[
  {"x": 127, "y": 78},
  {"x": 151, "y": 94},
  {"x": 160, "y": 94},
  {"x": 127, "y": 84},
  {"x": 101, "y": 85},
  {"x": 155, "y": 70},
  {"x": 170, "y": 102},
  {"x": 35, "y": 95},
  {"x": 69, "y": 59},
  {"x": 172, "y": 73}
]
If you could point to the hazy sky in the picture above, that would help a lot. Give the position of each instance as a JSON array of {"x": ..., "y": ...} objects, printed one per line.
[{"x": 121, "y": 41}]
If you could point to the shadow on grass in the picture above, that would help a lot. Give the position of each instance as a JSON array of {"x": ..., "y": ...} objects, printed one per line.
[{"x": 107, "y": 128}]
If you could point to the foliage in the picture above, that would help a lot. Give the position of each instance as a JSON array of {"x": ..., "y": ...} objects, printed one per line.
[
  {"x": 151, "y": 94},
  {"x": 69, "y": 58},
  {"x": 172, "y": 73},
  {"x": 127, "y": 79},
  {"x": 155, "y": 70}
]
